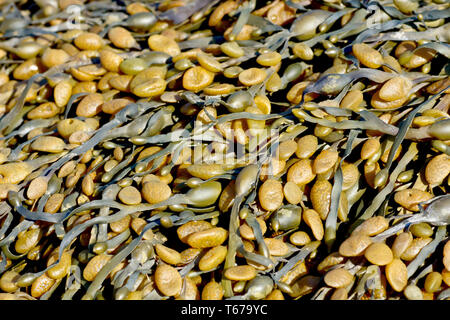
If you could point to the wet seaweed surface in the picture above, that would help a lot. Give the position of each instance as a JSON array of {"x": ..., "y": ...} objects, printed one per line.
[{"x": 233, "y": 149}]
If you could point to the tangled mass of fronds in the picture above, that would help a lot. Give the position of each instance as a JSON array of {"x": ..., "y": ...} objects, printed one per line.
[{"x": 206, "y": 149}]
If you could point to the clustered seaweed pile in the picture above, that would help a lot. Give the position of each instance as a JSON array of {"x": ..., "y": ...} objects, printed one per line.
[{"x": 233, "y": 149}]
